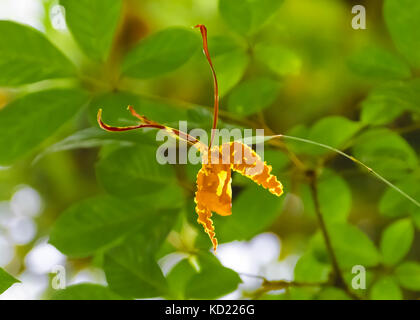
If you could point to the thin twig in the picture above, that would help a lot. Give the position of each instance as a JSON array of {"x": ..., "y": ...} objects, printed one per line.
[
  {"x": 256, "y": 276},
  {"x": 338, "y": 276},
  {"x": 336, "y": 268},
  {"x": 275, "y": 285},
  {"x": 408, "y": 129}
]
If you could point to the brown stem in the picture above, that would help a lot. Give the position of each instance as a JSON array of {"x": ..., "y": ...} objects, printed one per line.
[
  {"x": 339, "y": 280},
  {"x": 268, "y": 286},
  {"x": 408, "y": 129},
  {"x": 203, "y": 30}
]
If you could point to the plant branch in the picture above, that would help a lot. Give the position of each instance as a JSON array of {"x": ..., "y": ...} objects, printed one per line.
[
  {"x": 339, "y": 280},
  {"x": 273, "y": 285},
  {"x": 408, "y": 129}
]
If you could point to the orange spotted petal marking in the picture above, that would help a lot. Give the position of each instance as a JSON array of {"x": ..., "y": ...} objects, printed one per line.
[{"x": 214, "y": 189}]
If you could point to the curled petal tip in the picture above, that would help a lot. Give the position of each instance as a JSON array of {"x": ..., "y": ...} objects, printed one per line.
[
  {"x": 106, "y": 127},
  {"x": 99, "y": 116},
  {"x": 214, "y": 241}
]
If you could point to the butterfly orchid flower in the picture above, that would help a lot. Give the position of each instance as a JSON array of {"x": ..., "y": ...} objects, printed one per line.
[{"x": 214, "y": 190}]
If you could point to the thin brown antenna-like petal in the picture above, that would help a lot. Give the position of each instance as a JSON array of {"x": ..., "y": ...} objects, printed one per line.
[
  {"x": 203, "y": 30},
  {"x": 150, "y": 124},
  {"x": 106, "y": 127},
  {"x": 141, "y": 118}
]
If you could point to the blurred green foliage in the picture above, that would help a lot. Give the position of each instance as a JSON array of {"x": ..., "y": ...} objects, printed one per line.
[
  {"x": 6, "y": 280},
  {"x": 294, "y": 67}
]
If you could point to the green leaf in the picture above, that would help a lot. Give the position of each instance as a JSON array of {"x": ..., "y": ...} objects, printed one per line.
[
  {"x": 356, "y": 277},
  {"x": 278, "y": 160},
  {"x": 221, "y": 44},
  {"x": 76, "y": 231},
  {"x": 352, "y": 246},
  {"x": 253, "y": 95},
  {"x": 213, "y": 280},
  {"x": 378, "y": 63},
  {"x": 393, "y": 204},
  {"x": 278, "y": 59},
  {"x": 26, "y": 56},
  {"x": 408, "y": 275},
  {"x": 200, "y": 117},
  {"x": 237, "y": 14},
  {"x": 160, "y": 53},
  {"x": 132, "y": 271},
  {"x": 93, "y": 24},
  {"x": 246, "y": 220},
  {"x": 334, "y": 208},
  {"x": 379, "y": 110},
  {"x": 387, "y": 102},
  {"x": 300, "y": 131},
  {"x": 334, "y": 131},
  {"x": 131, "y": 268},
  {"x": 6, "y": 281},
  {"x": 133, "y": 275},
  {"x": 396, "y": 241},
  {"x": 309, "y": 270},
  {"x": 90, "y": 138},
  {"x": 402, "y": 19},
  {"x": 386, "y": 288},
  {"x": 230, "y": 60},
  {"x": 151, "y": 237},
  {"x": 304, "y": 293},
  {"x": 114, "y": 105},
  {"x": 114, "y": 109},
  {"x": 29, "y": 120},
  {"x": 179, "y": 277},
  {"x": 332, "y": 293},
  {"x": 416, "y": 218},
  {"x": 85, "y": 291},
  {"x": 134, "y": 171},
  {"x": 201, "y": 277},
  {"x": 385, "y": 152},
  {"x": 247, "y": 16}
]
